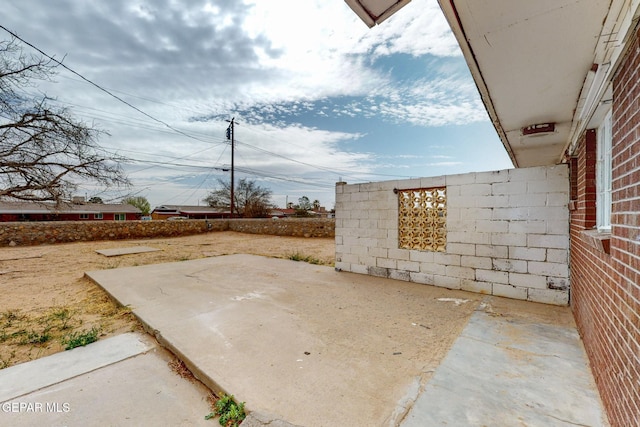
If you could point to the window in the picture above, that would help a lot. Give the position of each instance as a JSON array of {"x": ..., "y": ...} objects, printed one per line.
[
  {"x": 97, "y": 216},
  {"x": 84, "y": 216},
  {"x": 422, "y": 219},
  {"x": 119, "y": 217},
  {"x": 603, "y": 175}
]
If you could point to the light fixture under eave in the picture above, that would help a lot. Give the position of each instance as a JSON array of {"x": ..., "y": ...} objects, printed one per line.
[{"x": 539, "y": 128}]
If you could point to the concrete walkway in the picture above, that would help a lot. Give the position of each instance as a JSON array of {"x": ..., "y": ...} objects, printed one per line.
[
  {"x": 502, "y": 372},
  {"x": 305, "y": 345},
  {"x": 124, "y": 380}
]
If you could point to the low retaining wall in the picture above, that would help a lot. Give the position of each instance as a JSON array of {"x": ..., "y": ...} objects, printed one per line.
[
  {"x": 38, "y": 233},
  {"x": 297, "y": 227}
]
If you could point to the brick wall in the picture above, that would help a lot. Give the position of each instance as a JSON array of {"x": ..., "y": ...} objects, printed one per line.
[
  {"x": 37, "y": 233},
  {"x": 507, "y": 233},
  {"x": 606, "y": 277}
]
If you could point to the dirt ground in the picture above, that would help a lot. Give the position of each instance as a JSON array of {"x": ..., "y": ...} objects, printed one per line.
[{"x": 45, "y": 300}]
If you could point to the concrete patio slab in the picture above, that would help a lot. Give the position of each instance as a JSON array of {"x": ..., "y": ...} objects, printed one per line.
[
  {"x": 503, "y": 372},
  {"x": 297, "y": 342},
  {"x": 126, "y": 251},
  {"x": 306, "y": 345},
  {"x": 124, "y": 380}
]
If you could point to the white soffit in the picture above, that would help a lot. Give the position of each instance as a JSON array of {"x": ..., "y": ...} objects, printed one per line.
[
  {"x": 529, "y": 60},
  {"x": 373, "y": 12}
]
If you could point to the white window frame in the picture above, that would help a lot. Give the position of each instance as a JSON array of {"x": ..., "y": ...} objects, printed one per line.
[
  {"x": 120, "y": 217},
  {"x": 603, "y": 174},
  {"x": 97, "y": 216},
  {"x": 84, "y": 216}
]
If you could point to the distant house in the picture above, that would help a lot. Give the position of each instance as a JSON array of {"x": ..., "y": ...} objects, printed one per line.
[
  {"x": 320, "y": 212},
  {"x": 189, "y": 212},
  {"x": 282, "y": 213},
  {"x": 47, "y": 211}
]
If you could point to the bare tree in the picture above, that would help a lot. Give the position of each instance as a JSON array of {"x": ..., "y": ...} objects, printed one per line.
[
  {"x": 44, "y": 150},
  {"x": 251, "y": 200}
]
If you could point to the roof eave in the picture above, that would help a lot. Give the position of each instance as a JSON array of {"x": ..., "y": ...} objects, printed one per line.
[{"x": 370, "y": 18}]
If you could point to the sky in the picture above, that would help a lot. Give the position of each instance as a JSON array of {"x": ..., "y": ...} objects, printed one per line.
[{"x": 316, "y": 96}]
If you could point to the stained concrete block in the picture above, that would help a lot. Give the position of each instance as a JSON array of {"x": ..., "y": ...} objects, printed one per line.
[
  {"x": 492, "y": 251},
  {"x": 476, "y": 286},
  {"x": 422, "y": 278},
  {"x": 447, "y": 282},
  {"x": 484, "y": 263},
  {"x": 548, "y": 296},
  {"x": 400, "y": 275},
  {"x": 509, "y": 291},
  {"x": 460, "y": 179},
  {"x": 492, "y": 176},
  {"x": 409, "y": 265},
  {"x": 528, "y": 280},
  {"x": 492, "y": 276},
  {"x": 527, "y": 254},
  {"x": 378, "y": 271},
  {"x": 461, "y": 272},
  {"x": 510, "y": 265},
  {"x": 464, "y": 249},
  {"x": 548, "y": 269},
  {"x": 517, "y": 187}
]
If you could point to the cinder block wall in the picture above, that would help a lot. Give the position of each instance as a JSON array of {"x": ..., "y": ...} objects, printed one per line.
[
  {"x": 606, "y": 277},
  {"x": 507, "y": 233}
]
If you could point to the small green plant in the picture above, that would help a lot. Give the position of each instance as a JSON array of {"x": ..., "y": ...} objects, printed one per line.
[
  {"x": 62, "y": 315},
  {"x": 80, "y": 339},
  {"x": 297, "y": 256},
  {"x": 34, "y": 337},
  {"x": 231, "y": 413},
  {"x": 6, "y": 337}
]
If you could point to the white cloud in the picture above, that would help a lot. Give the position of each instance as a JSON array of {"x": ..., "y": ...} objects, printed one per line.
[{"x": 270, "y": 63}]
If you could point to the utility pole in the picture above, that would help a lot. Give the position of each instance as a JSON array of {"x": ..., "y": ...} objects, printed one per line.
[{"x": 230, "y": 135}]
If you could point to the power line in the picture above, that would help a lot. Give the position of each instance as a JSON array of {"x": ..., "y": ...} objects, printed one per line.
[
  {"x": 178, "y": 131},
  {"x": 95, "y": 84},
  {"x": 342, "y": 172}
]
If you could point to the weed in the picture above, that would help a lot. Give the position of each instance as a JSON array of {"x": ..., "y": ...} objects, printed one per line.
[
  {"x": 231, "y": 413},
  {"x": 80, "y": 339},
  {"x": 297, "y": 256},
  {"x": 6, "y": 337},
  {"x": 34, "y": 337},
  {"x": 62, "y": 315}
]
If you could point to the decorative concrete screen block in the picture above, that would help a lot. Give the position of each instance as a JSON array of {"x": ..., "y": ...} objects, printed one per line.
[{"x": 422, "y": 219}]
